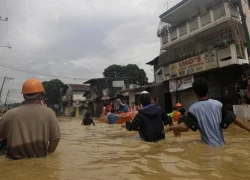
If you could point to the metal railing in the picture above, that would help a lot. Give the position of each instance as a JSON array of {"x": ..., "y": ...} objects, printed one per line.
[{"x": 206, "y": 19}]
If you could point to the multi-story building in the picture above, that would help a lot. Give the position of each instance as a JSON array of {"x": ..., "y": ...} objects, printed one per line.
[
  {"x": 73, "y": 101},
  {"x": 201, "y": 38}
]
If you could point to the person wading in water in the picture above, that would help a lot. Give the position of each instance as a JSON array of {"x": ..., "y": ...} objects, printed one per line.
[
  {"x": 208, "y": 116},
  {"x": 149, "y": 121},
  {"x": 31, "y": 130}
]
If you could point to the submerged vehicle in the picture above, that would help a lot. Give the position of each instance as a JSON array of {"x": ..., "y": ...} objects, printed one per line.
[{"x": 123, "y": 117}]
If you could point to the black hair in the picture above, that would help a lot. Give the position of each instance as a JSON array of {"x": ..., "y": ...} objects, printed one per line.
[
  {"x": 243, "y": 75},
  {"x": 87, "y": 115},
  {"x": 182, "y": 111},
  {"x": 145, "y": 99},
  {"x": 200, "y": 86},
  {"x": 105, "y": 104},
  {"x": 112, "y": 110},
  {"x": 155, "y": 99},
  {"x": 119, "y": 96}
]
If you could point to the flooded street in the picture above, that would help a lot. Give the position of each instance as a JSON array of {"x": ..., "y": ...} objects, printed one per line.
[{"x": 109, "y": 152}]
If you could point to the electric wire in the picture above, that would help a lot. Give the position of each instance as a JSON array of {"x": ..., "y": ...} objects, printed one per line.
[{"x": 37, "y": 73}]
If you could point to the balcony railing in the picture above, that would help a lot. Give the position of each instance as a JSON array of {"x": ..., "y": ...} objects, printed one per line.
[
  {"x": 219, "y": 12},
  {"x": 201, "y": 22},
  {"x": 193, "y": 25},
  {"x": 206, "y": 19},
  {"x": 173, "y": 35},
  {"x": 165, "y": 39},
  {"x": 183, "y": 30}
]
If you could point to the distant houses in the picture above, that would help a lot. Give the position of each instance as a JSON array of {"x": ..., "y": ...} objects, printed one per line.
[
  {"x": 73, "y": 99},
  {"x": 103, "y": 90}
]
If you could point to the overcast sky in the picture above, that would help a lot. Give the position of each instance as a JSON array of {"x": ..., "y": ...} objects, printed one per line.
[{"x": 76, "y": 38}]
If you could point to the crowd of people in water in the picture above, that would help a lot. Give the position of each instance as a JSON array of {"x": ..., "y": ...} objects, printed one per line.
[
  {"x": 207, "y": 115},
  {"x": 32, "y": 130}
]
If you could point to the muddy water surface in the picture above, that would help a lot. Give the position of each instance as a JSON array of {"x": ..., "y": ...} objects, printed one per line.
[{"x": 110, "y": 152}]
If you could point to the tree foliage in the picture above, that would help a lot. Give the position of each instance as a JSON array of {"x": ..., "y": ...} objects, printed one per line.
[
  {"x": 131, "y": 72},
  {"x": 52, "y": 93}
]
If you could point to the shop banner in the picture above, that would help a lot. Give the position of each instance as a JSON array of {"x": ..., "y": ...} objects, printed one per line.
[
  {"x": 181, "y": 84},
  {"x": 193, "y": 65},
  {"x": 118, "y": 83}
]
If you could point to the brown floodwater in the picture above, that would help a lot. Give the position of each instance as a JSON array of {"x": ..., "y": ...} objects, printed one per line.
[{"x": 110, "y": 152}]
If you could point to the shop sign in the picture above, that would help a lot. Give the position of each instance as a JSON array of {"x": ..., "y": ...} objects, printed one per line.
[
  {"x": 193, "y": 65},
  {"x": 181, "y": 83},
  {"x": 118, "y": 83}
]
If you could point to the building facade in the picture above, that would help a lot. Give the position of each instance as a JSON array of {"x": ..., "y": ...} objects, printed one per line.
[
  {"x": 206, "y": 39},
  {"x": 103, "y": 90},
  {"x": 73, "y": 101}
]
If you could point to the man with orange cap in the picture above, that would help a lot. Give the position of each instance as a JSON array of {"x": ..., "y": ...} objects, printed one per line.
[
  {"x": 176, "y": 113},
  {"x": 31, "y": 130}
]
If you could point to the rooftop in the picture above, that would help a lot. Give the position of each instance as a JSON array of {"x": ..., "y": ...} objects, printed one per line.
[
  {"x": 101, "y": 79},
  {"x": 78, "y": 87},
  {"x": 173, "y": 8},
  {"x": 153, "y": 62}
]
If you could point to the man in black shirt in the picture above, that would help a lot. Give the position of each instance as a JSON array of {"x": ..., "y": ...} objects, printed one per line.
[
  {"x": 87, "y": 120},
  {"x": 149, "y": 121},
  {"x": 242, "y": 85},
  {"x": 182, "y": 116}
]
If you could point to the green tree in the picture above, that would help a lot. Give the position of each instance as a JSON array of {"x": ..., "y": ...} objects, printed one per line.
[
  {"x": 131, "y": 72},
  {"x": 52, "y": 93},
  {"x": 113, "y": 71}
]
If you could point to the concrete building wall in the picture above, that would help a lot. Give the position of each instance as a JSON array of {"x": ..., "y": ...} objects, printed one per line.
[
  {"x": 242, "y": 111},
  {"x": 67, "y": 111},
  {"x": 217, "y": 79},
  {"x": 246, "y": 10}
]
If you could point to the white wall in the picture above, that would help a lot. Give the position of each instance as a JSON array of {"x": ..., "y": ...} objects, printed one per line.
[
  {"x": 242, "y": 111},
  {"x": 247, "y": 13},
  {"x": 227, "y": 52},
  {"x": 78, "y": 95}
]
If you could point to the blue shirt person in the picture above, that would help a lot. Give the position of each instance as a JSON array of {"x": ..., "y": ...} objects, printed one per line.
[
  {"x": 112, "y": 118},
  {"x": 208, "y": 116}
]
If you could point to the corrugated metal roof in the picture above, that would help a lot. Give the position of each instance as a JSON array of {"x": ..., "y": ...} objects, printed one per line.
[
  {"x": 153, "y": 62},
  {"x": 79, "y": 87},
  {"x": 173, "y": 8},
  {"x": 98, "y": 79}
]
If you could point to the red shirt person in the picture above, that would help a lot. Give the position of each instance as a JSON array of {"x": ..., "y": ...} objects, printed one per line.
[{"x": 108, "y": 108}]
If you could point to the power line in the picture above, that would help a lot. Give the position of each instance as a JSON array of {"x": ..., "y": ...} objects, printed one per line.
[{"x": 37, "y": 73}]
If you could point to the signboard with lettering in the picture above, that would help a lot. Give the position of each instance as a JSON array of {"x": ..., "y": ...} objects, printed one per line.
[
  {"x": 181, "y": 83},
  {"x": 118, "y": 84},
  {"x": 193, "y": 65}
]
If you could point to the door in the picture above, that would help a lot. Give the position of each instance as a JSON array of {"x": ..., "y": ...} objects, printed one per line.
[{"x": 168, "y": 103}]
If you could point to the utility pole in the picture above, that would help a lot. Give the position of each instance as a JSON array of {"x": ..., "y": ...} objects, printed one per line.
[
  {"x": 166, "y": 4},
  {"x": 7, "y": 97},
  {"x": 5, "y": 80}
]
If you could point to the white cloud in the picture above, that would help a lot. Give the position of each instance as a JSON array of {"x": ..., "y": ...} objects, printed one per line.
[{"x": 77, "y": 38}]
